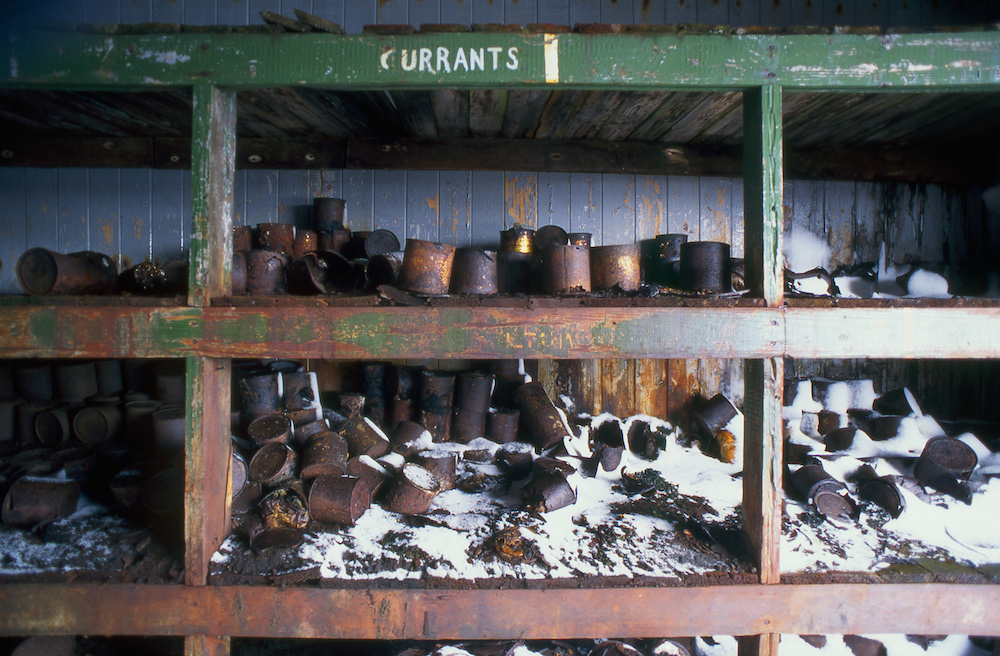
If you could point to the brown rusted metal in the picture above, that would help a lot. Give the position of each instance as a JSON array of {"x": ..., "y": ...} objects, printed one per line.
[
  {"x": 266, "y": 272},
  {"x": 540, "y": 418},
  {"x": 714, "y": 414},
  {"x": 328, "y": 214},
  {"x": 474, "y": 272},
  {"x": 52, "y": 426},
  {"x": 97, "y": 423},
  {"x": 301, "y": 390},
  {"x": 501, "y": 425},
  {"x": 705, "y": 266},
  {"x": 109, "y": 377},
  {"x": 370, "y": 470},
  {"x": 615, "y": 266},
  {"x": 660, "y": 259},
  {"x": 409, "y": 438},
  {"x": 339, "y": 499},
  {"x": 945, "y": 458},
  {"x": 270, "y": 428},
  {"x": 383, "y": 269},
  {"x": 516, "y": 458},
  {"x": 242, "y": 238},
  {"x": 437, "y": 391},
  {"x": 168, "y": 430},
  {"x": 75, "y": 381},
  {"x": 380, "y": 242},
  {"x": 548, "y": 236},
  {"x": 352, "y": 404},
  {"x": 42, "y": 272},
  {"x": 518, "y": 239},
  {"x": 399, "y": 410},
  {"x": 473, "y": 391},
  {"x": 516, "y": 272},
  {"x": 305, "y": 431},
  {"x": 284, "y": 514},
  {"x": 32, "y": 500},
  {"x": 326, "y": 452},
  {"x": 171, "y": 381},
  {"x": 239, "y": 277},
  {"x": 413, "y": 490},
  {"x": 240, "y": 473},
  {"x": 880, "y": 490},
  {"x": 273, "y": 463},
  {"x": 426, "y": 267},
  {"x": 578, "y": 238},
  {"x": 321, "y": 272},
  {"x": 277, "y": 237},
  {"x": 566, "y": 270},
  {"x": 899, "y": 402},
  {"x": 443, "y": 464},
  {"x": 306, "y": 241},
  {"x": 335, "y": 241},
  {"x": 548, "y": 491},
  {"x": 373, "y": 375},
  {"x": 438, "y": 423},
  {"x": 364, "y": 437},
  {"x": 258, "y": 395},
  {"x": 467, "y": 426}
]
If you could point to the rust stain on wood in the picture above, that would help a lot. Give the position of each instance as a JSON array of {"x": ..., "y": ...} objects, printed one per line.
[{"x": 520, "y": 192}]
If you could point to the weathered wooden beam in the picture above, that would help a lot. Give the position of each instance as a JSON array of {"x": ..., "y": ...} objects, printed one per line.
[
  {"x": 763, "y": 192},
  {"x": 200, "y": 645},
  {"x": 958, "y": 60},
  {"x": 915, "y": 609}
]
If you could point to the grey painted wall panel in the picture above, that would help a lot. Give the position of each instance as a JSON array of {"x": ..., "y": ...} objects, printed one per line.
[
  {"x": 136, "y": 216},
  {"x": 13, "y": 241},
  {"x": 455, "y": 202}
]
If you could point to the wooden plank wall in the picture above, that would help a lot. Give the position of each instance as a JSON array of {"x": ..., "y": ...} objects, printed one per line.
[{"x": 138, "y": 214}]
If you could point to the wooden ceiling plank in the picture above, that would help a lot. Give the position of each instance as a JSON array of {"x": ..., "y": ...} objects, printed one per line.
[{"x": 524, "y": 111}]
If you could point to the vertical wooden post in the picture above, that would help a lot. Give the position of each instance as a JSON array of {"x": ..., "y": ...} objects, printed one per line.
[
  {"x": 213, "y": 174},
  {"x": 208, "y": 452},
  {"x": 764, "y": 378}
]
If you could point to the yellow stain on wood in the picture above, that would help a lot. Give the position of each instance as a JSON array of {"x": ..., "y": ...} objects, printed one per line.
[
  {"x": 651, "y": 209},
  {"x": 519, "y": 195},
  {"x": 107, "y": 229},
  {"x": 137, "y": 222}
]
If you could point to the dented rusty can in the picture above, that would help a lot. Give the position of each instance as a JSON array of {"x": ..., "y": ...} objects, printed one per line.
[
  {"x": 945, "y": 456},
  {"x": 300, "y": 390},
  {"x": 364, "y": 438},
  {"x": 259, "y": 395},
  {"x": 438, "y": 423},
  {"x": 335, "y": 241},
  {"x": 266, "y": 272},
  {"x": 339, "y": 499},
  {"x": 328, "y": 214},
  {"x": 168, "y": 430},
  {"x": 306, "y": 241},
  {"x": 548, "y": 236},
  {"x": 548, "y": 491},
  {"x": 239, "y": 278},
  {"x": 242, "y": 238},
  {"x": 42, "y": 272},
  {"x": 413, "y": 490},
  {"x": 426, "y": 267},
  {"x": 52, "y": 426},
  {"x": 473, "y": 391},
  {"x": 32, "y": 500},
  {"x": 714, "y": 415},
  {"x": 705, "y": 266},
  {"x": 474, "y": 272},
  {"x": 660, "y": 259},
  {"x": 443, "y": 464},
  {"x": 326, "y": 452},
  {"x": 518, "y": 239},
  {"x": 566, "y": 270},
  {"x": 270, "y": 428},
  {"x": 273, "y": 463},
  {"x": 615, "y": 266},
  {"x": 321, "y": 272},
  {"x": 383, "y": 269},
  {"x": 467, "y": 426},
  {"x": 516, "y": 272},
  {"x": 437, "y": 390},
  {"x": 501, "y": 425},
  {"x": 579, "y": 238},
  {"x": 277, "y": 237},
  {"x": 75, "y": 381},
  {"x": 541, "y": 419},
  {"x": 97, "y": 423},
  {"x": 380, "y": 242}
]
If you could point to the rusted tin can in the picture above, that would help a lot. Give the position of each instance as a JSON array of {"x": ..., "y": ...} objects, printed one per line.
[
  {"x": 501, "y": 426},
  {"x": 242, "y": 239},
  {"x": 467, "y": 426},
  {"x": 52, "y": 426},
  {"x": 714, "y": 414},
  {"x": 325, "y": 452},
  {"x": 33, "y": 381},
  {"x": 384, "y": 268},
  {"x": 126, "y": 488},
  {"x": 579, "y": 239},
  {"x": 248, "y": 497},
  {"x": 109, "y": 377},
  {"x": 437, "y": 391},
  {"x": 438, "y": 423},
  {"x": 548, "y": 236},
  {"x": 339, "y": 499},
  {"x": 239, "y": 277},
  {"x": 443, "y": 464},
  {"x": 266, "y": 272},
  {"x": 321, "y": 272},
  {"x": 380, "y": 242},
  {"x": 945, "y": 456},
  {"x": 305, "y": 431},
  {"x": 26, "y": 413},
  {"x": 705, "y": 266},
  {"x": 373, "y": 379},
  {"x": 473, "y": 391},
  {"x": 474, "y": 272},
  {"x": 660, "y": 259},
  {"x": 518, "y": 239},
  {"x": 301, "y": 390},
  {"x": 840, "y": 439},
  {"x": 400, "y": 381},
  {"x": 138, "y": 424},
  {"x": 355, "y": 247},
  {"x": 548, "y": 491},
  {"x": 370, "y": 470},
  {"x": 270, "y": 428},
  {"x": 880, "y": 490},
  {"x": 352, "y": 404},
  {"x": 240, "y": 470},
  {"x": 364, "y": 437},
  {"x": 426, "y": 267},
  {"x": 540, "y": 418},
  {"x": 163, "y": 494},
  {"x": 259, "y": 395},
  {"x": 42, "y": 272},
  {"x": 900, "y": 402},
  {"x": 75, "y": 381},
  {"x": 615, "y": 266},
  {"x": 328, "y": 214},
  {"x": 168, "y": 430},
  {"x": 273, "y": 463},
  {"x": 276, "y": 237},
  {"x": 32, "y": 500},
  {"x": 284, "y": 516},
  {"x": 413, "y": 490},
  {"x": 264, "y": 538},
  {"x": 399, "y": 410},
  {"x": 97, "y": 423},
  {"x": 566, "y": 270},
  {"x": 811, "y": 479},
  {"x": 516, "y": 272},
  {"x": 516, "y": 458},
  {"x": 335, "y": 241},
  {"x": 410, "y": 438},
  {"x": 171, "y": 381},
  {"x": 8, "y": 425},
  {"x": 306, "y": 241}
]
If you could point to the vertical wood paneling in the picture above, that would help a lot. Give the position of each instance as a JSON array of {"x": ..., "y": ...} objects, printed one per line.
[
  {"x": 13, "y": 237},
  {"x": 840, "y": 12},
  {"x": 137, "y": 11},
  {"x": 331, "y": 10},
  {"x": 903, "y": 223},
  {"x": 618, "y": 212},
  {"x": 737, "y": 224},
  {"x": 487, "y": 11},
  {"x": 745, "y": 12},
  {"x": 41, "y": 199},
  {"x": 357, "y": 15},
  {"x": 74, "y": 199},
  {"x": 136, "y": 216},
  {"x": 167, "y": 214},
  {"x": 614, "y": 11},
  {"x": 294, "y": 198},
  {"x": 584, "y": 11},
  {"x": 105, "y": 213},
  {"x": 838, "y": 221},
  {"x": 714, "y": 219},
  {"x": 868, "y": 232},
  {"x": 904, "y": 13},
  {"x": 240, "y": 198},
  {"x": 455, "y": 200},
  {"x": 389, "y": 208},
  {"x": 649, "y": 12},
  {"x": 456, "y": 11},
  {"x": 681, "y": 11},
  {"x": 713, "y": 12},
  {"x": 650, "y": 206},
  {"x": 203, "y": 13},
  {"x": 555, "y": 12},
  {"x": 931, "y": 238},
  {"x": 682, "y": 207},
  {"x": 262, "y": 197},
  {"x": 872, "y": 12},
  {"x": 426, "y": 11},
  {"x": 165, "y": 11},
  {"x": 327, "y": 184},
  {"x": 487, "y": 207},
  {"x": 807, "y": 205},
  {"x": 585, "y": 205},
  {"x": 392, "y": 12},
  {"x": 520, "y": 199},
  {"x": 232, "y": 12},
  {"x": 288, "y": 7},
  {"x": 422, "y": 208},
  {"x": 618, "y": 387},
  {"x": 807, "y": 12},
  {"x": 521, "y": 12},
  {"x": 359, "y": 194},
  {"x": 554, "y": 199},
  {"x": 776, "y": 12},
  {"x": 102, "y": 11}
]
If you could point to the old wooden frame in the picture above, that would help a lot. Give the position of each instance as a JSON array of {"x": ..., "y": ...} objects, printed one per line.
[{"x": 759, "y": 64}]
